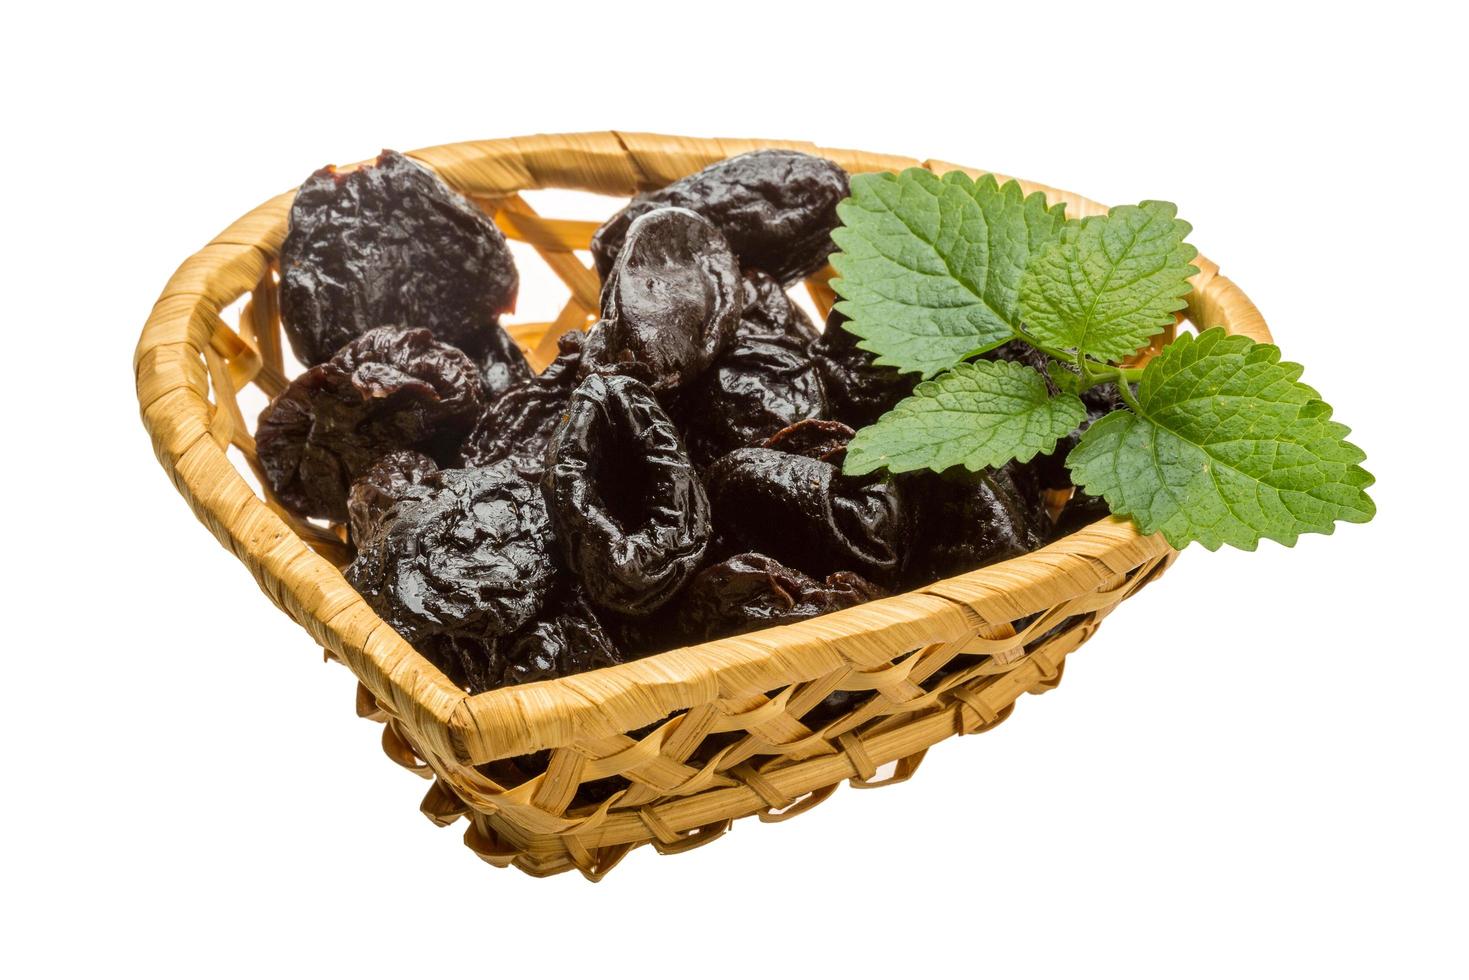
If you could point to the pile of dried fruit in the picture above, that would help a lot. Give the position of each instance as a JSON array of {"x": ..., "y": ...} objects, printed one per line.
[{"x": 680, "y": 472}]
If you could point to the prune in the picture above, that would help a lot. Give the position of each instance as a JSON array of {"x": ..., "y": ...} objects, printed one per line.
[
  {"x": 396, "y": 476},
  {"x": 470, "y": 557},
  {"x": 518, "y": 426},
  {"x": 389, "y": 244},
  {"x": 1099, "y": 401},
  {"x": 1080, "y": 511},
  {"x": 814, "y": 438},
  {"x": 388, "y": 389},
  {"x": 763, "y": 382},
  {"x": 753, "y": 591},
  {"x": 670, "y": 304},
  {"x": 475, "y": 665},
  {"x": 858, "y": 391},
  {"x": 969, "y": 520},
  {"x": 776, "y": 207},
  {"x": 565, "y": 639},
  {"x": 804, "y": 513},
  {"x": 502, "y": 366},
  {"x": 631, "y": 516}
]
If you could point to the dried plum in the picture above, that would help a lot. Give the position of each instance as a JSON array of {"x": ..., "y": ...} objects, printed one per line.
[
  {"x": 763, "y": 382},
  {"x": 969, "y": 520},
  {"x": 394, "y": 477},
  {"x": 858, "y": 391},
  {"x": 387, "y": 244},
  {"x": 475, "y": 665},
  {"x": 804, "y": 513},
  {"x": 753, "y": 591},
  {"x": 820, "y": 439},
  {"x": 581, "y": 534},
  {"x": 670, "y": 304},
  {"x": 776, "y": 207},
  {"x": 630, "y": 513},
  {"x": 388, "y": 389},
  {"x": 502, "y": 366},
  {"x": 470, "y": 557},
  {"x": 567, "y": 638},
  {"x": 519, "y": 425}
]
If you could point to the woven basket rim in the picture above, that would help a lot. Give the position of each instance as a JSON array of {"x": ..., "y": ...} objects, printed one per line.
[{"x": 509, "y": 721}]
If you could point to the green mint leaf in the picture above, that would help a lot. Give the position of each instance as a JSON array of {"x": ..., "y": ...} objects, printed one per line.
[
  {"x": 1110, "y": 282},
  {"x": 977, "y": 415},
  {"x": 930, "y": 268},
  {"x": 1228, "y": 447}
]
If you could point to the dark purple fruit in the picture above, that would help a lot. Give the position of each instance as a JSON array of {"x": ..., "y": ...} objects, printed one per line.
[{"x": 390, "y": 244}]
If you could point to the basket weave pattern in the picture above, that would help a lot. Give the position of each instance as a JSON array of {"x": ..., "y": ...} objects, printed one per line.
[{"x": 720, "y": 729}]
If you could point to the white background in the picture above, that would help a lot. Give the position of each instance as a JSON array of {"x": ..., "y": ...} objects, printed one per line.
[{"x": 1256, "y": 768}]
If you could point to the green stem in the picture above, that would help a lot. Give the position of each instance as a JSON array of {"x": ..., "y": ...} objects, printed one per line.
[
  {"x": 1092, "y": 372},
  {"x": 1114, "y": 372}
]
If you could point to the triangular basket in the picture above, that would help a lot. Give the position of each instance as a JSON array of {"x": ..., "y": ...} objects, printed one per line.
[{"x": 691, "y": 739}]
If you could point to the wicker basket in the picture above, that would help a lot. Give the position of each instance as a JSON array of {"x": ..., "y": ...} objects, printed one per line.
[{"x": 719, "y": 729}]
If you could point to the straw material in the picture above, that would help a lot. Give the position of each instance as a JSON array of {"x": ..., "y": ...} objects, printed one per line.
[{"x": 720, "y": 730}]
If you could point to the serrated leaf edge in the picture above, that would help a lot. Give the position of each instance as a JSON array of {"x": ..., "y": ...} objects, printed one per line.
[{"x": 1211, "y": 339}]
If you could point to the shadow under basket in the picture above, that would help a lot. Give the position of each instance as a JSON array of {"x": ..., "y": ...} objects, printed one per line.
[{"x": 668, "y": 750}]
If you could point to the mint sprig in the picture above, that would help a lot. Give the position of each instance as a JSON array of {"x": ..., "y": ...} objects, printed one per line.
[{"x": 1221, "y": 443}]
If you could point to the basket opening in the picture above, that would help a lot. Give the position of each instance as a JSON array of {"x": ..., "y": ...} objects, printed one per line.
[{"x": 552, "y": 263}]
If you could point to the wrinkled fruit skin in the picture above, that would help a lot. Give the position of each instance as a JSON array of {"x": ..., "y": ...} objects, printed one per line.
[
  {"x": 564, "y": 638},
  {"x": 502, "y": 366},
  {"x": 776, "y": 207},
  {"x": 397, "y": 476},
  {"x": 671, "y": 302},
  {"x": 805, "y": 514},
  {"x": 969, "y": 520},
  {"x": 630, "y": 513},
  {"x": 763, "y": 383},
  {"x": 518, "y": 426},
  {"x": 474, "y": 665},
  {"x": 390, "y": 244},
  {"x": 673, "y": 477},
  {"x": 753, "y": 591},
  {"x": 470, "y": 557},
  {"x": 388, "y": 389},
  {"x": 857, "y": 390},
  {"x": 820, "y": 439}
]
